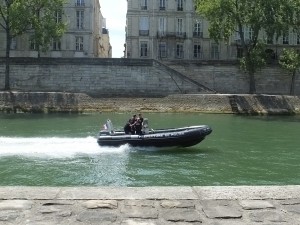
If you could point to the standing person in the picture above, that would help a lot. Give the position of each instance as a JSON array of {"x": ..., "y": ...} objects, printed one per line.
[
  {"x": 132, "y": 122},
  {"x": 139, "y": 124},
  {"x": 129, "y": 127}
]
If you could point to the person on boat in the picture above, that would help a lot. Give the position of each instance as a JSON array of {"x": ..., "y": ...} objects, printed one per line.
[
  {"x": 139, "y": 124},
  {"x": 129, "y": 127}
]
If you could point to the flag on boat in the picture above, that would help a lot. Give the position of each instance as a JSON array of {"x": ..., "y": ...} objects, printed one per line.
[{"x": 104, "y": 126}]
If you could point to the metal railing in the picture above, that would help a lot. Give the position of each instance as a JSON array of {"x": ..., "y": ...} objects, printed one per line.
[
  {"x": 198, "y": 34},
  {"x": 161, "y": 34},
  {"x": 144, "y": 32}
]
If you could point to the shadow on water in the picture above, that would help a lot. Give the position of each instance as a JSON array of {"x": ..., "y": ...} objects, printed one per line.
[
  {"x": 271, "y": 118},
  {"x": 173, "y": 150}
]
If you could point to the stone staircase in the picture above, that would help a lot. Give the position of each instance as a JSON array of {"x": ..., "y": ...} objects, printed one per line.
[
  {"x": 173, "y": 72},
  {"x": 233, "y": 104}
]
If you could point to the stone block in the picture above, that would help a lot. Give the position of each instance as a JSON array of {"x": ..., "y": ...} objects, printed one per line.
[{"x": 256, "y": 204}]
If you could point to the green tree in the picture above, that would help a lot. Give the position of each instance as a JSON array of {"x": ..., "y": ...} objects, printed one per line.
[
  {"x": 19, "y": 16},
  {"x": 249, "y": 20},
  {"x": 47, "y": 24},
  {"x": 290, "y": 61}
]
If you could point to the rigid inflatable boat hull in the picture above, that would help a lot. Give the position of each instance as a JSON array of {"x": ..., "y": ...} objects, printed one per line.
[{"x": 182, "y": 137}]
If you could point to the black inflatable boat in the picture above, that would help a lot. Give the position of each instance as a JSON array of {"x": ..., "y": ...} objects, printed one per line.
[{"x": 183, "y": 137}]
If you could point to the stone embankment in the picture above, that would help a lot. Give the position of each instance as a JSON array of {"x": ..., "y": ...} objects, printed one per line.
[
  {"x": 45, "y": 102},
  {"x": 244, "y": 205}
]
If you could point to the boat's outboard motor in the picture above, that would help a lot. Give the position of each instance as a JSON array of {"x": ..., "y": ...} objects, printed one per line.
[
  {"x": 109, "y": 126},
  {"x": 145, "y": 127}
]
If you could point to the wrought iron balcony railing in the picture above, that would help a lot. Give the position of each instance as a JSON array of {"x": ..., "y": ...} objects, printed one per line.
[
  {"x": 198, "y": 34},
  {"x": 162, "y": 34},
  {"x": 144, "y": 32}
]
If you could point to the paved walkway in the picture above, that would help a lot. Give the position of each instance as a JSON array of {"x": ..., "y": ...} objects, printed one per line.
[{"x": 261, "y": 205}]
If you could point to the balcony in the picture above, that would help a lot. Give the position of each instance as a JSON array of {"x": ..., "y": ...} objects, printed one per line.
[
  {"x": 198, "y": 55},
  {"x": 198, "y": 34},
  {"x": 179, "y": 54},
  {"x": 79, "y": 4},
  {"x": 180, "y": 35},
  {"x": 144, "y": 32}
]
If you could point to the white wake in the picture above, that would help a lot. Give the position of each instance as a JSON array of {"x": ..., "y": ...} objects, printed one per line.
[{"x": 54, "y": 147}]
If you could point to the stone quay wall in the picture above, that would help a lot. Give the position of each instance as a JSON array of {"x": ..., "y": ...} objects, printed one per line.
[
  {"x": 241, "y": 205},
  {"x": 140, "y": 77},
  {"x": 228, "y": 78},
  {"x": 97, "y": 77},
  {"x": 44, "y": 102}
]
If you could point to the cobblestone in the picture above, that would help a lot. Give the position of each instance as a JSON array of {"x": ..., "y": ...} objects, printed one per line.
[{"x": 238, "y": 205}]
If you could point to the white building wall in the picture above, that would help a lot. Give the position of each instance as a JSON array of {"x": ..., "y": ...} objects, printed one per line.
[
  {"x": 209, "y": 50},
  {"x": 91, "y": 34}
]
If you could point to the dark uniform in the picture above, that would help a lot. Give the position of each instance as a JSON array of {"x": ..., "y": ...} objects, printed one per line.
[{"x": 139, "y": 124}]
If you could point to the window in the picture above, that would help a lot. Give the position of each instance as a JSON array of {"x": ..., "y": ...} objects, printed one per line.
[
  {"x": 248, "y": 33},
  {"x": 162, "y": 4},
  {"x": 79, "y": 3},
  {"x": 56, "y": 45},
  {"x": 144, "y": 49},
  {"x": 144, "y": 26},
  {"x": 239, "y": 52},
  {"x": 179, "y": 27},
  {"x": 179, "y": 51},
  {"x": 79, "y": 44},
  {"x": 162, "y": 50},
  {"x": 58, "y": 16},
  {"x": 198, "y": 29},
  {"x": 197, "y": 51},
  {"x": 285, "y": 39},
  {"x": 13, "y": 44},
  {"x": 162, "y": 26},
  {"x": 79, "y": 19},
  {"x": 179, "y": 5},
  {"x": 214, "y": 51},
  {"x": 298, "y": 39},
  {"x": 144, "y": 4},
  {"x": 32, "y": 43},
  {"x": 270, "y": 40}
]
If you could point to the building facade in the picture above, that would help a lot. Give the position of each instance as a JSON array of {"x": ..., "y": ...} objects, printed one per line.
[
  {"x": 83, "y": 37},
  {"x": 171, "y": 29}
]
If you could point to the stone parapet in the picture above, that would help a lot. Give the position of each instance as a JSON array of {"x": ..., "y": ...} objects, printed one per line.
[{"x": 150, "y": 205}]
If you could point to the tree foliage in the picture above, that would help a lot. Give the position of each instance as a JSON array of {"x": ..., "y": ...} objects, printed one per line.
[
  {"x": 47, "y": 22},
  {"x": 36, "y": 16},
  {"x": 231, "y": 17},
  {"x": 290, "y": 61}
]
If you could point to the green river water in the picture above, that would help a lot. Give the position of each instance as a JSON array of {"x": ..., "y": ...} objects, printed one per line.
[{"x": 61, "y": 150}]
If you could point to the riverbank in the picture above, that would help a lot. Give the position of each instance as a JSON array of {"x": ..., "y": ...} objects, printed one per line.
[
  {"x": 48, "y": 102},
  {"x": 150, "y": 205}
]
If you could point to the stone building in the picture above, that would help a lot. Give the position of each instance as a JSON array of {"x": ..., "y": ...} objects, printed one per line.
[
  {"x": 170, "y": 29},
  {"x": 105, "y": 47},
  {"x": 84, "y": 36}
]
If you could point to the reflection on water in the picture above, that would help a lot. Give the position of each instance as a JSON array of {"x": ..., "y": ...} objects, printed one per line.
[{"x": 61, "y": 150}]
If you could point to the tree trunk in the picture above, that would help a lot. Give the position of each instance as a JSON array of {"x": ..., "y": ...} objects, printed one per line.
[
  {"x": 7, "y": 60},
  {"x": 292, "y": 87},
  {"x": 252, "y": 89}
]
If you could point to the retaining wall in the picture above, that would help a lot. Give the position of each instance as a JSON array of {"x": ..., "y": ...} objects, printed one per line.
[
  {"x": 208, "y": 103},
  {"x": 97, "y": 77},
  {"x": 140, "y": 77}
]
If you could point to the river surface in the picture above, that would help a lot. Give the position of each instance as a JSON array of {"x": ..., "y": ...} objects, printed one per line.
[{"x": 61, "y": 150}]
